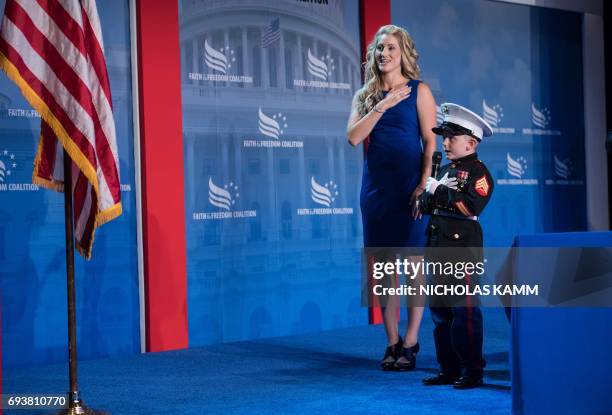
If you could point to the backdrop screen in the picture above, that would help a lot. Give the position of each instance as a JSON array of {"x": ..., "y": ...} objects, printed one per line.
[{"x": 272, "y": 186}]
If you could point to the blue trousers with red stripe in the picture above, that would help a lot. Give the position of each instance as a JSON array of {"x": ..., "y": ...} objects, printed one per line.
[{"x": 458, "y": 338}]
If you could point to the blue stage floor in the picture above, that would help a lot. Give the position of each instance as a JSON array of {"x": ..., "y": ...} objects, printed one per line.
[{"x": 325, "y": 372}]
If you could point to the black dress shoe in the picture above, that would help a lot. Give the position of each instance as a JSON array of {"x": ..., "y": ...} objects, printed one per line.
[
  {"x": 391, "y": 355},
  {"x": 468, "y": 382},
  {"x": 440, "y": 379},
  {"x": 409, "y": 358}
]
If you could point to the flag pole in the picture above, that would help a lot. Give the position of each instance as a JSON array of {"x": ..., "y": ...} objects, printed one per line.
[{"x": 75, "y": 404}]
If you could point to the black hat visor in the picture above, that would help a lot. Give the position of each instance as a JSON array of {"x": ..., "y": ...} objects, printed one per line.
[{"x": 450, "y": 129}]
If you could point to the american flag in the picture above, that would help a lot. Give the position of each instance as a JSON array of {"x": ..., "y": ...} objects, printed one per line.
[
  {"x": 52, "y": 49},
  {"x": 271, "y": 33}
]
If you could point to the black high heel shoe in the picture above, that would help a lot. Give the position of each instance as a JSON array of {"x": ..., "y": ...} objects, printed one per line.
[
  {"x": 409, "y": 358},
  {"x": 391, "y": 355}
]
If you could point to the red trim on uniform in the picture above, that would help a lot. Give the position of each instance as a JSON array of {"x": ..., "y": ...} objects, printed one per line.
[
  {"x": 163, "y": 194},
  {"x": 461, "y": 207},
  {"x": 373, "y": 15}
]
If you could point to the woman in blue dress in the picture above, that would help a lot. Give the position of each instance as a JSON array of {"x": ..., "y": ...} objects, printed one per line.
[{"x": 397, "y": 112}]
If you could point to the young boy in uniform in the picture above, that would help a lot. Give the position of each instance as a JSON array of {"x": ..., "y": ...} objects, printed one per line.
[{"x": 454, "y": 199}]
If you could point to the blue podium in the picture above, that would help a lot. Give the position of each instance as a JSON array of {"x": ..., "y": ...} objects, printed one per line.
[{"x": 561, "y": 358}]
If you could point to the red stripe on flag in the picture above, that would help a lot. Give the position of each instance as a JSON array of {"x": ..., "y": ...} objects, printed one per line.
[
  {"x": 96, "y": 55},
  {"x": 86, "y": 239},
  {"x": 48, "y": 147},
  {"x": 79, "y": 190}
]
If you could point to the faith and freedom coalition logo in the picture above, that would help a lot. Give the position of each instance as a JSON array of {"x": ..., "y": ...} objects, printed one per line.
[
  {"x": 8, "y": 166},
  {"x": 223, "y": 198},
  {"x": 563, "y": 173},
  {"x": 220, "y": 64},
  {"x": 320, "y": 70},
  {"x": 516, "y": 167},
  {"x": 493, "y": 115},
  {"x": 324, "y": 195},
  {"x": 540, "y": 118},
  {"x": 272, "y": 127},
  {"x": 22, "y": 113},
  {"x": 7, "y": 162}
]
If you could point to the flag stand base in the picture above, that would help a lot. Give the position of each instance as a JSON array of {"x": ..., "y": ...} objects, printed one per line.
[
  {"x": 77, "y": 407},
  {"x": 80, "y": 409}
]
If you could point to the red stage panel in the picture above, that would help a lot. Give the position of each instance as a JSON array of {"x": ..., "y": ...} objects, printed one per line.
[
  {"x": 374, "y": 14},
  {"x": 162, "y": 175}
]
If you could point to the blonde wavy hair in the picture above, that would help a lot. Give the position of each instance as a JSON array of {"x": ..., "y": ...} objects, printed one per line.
[{"x": 371, "y": 93}]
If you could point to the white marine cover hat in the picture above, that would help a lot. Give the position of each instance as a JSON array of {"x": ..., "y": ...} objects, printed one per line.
[{"x": 459, "y": 120}]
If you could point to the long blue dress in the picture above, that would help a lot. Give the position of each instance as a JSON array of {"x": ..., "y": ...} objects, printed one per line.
[{"x": 392, "y": 170}]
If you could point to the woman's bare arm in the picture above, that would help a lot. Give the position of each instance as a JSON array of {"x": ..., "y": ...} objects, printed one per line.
[{"x": 426, "y": 111}]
